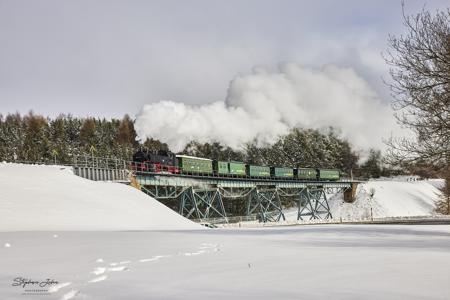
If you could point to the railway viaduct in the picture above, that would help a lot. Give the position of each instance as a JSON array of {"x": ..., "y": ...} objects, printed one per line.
[{"x": 224, "y": 199}]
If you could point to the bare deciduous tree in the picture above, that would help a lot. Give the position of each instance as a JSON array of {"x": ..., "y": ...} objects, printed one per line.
[{"x": 420, "y": 72}]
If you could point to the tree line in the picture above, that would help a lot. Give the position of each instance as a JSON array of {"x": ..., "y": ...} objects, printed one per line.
[
  {"x": 36, "y": 138},
  {"x": 40, "y": 139},
  {"x": 307, "y": 148}
]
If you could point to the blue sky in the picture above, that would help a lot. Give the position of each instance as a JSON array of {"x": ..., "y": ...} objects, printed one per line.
[{"x": 108, "y": 58}]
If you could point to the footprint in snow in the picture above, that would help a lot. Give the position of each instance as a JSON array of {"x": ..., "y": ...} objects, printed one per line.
[
  {"x": 209, "y": 246},
  {"x": 98, "y": 271},
  {"x": 117, "y": 269},
  {"x": 203, "y": 248},
  {"x": 154, "y": 258},
  {"x": 192, "y": 253},
  {"x": 70, "y": 295},
  {"x": 148, "y": 259},
  {"x": 100, "y": 260},
  {"x": 97, "y": 279}
]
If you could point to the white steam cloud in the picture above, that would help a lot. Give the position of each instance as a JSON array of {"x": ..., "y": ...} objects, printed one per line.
[{"x": 266, "y": 104}]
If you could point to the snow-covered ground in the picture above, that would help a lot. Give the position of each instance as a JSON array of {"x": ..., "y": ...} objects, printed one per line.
[
  {"x": 307, "y": 262},
  {"x": 64, "y": 237},
  {"x": 36, "y": 197}
]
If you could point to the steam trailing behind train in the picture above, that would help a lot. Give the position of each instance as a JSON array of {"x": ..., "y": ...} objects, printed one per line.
[{"x": 168, "y": 162}]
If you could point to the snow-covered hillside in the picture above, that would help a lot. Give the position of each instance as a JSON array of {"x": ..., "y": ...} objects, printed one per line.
[
  {"x": 389, "y": 198},
  {"x": 42, "y": 198},
  {"x": 383, "y": 199}
]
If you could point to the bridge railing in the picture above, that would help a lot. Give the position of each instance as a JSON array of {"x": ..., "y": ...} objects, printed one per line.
[{"x": 86, "y": 161}]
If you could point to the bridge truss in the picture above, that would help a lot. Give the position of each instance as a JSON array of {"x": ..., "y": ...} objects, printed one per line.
[{"x": 225, "y": 200}]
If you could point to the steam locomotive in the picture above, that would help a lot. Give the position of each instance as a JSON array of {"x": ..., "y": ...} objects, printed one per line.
[{"x": 156, "y": 161}]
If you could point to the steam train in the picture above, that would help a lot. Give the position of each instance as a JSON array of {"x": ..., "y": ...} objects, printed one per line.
[{"x": 167, "y": 162}]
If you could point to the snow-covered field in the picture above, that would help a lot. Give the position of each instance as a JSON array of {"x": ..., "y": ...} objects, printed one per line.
[
  {"x": 70, "y": 238},
  {"x": 307, "y": 262}
]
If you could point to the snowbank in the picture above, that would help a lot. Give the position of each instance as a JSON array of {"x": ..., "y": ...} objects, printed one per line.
[
  {"x": 389, "y": 198},
  {"x": 34, "y": 197}
]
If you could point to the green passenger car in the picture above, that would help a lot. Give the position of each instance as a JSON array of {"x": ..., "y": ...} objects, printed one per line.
[
  {"x": 327, "y": 174},
  {"x": 237, "y": 168},
  {"x": 307, "y": 174},
  {"x": 189, "y": 164},
  {"x": 258, "y": 171},
  {"x": 283, "y": 172},
  {"x": 221, "y": 167}
]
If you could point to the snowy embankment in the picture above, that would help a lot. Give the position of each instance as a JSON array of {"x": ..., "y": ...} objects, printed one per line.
[
  {"x": 389, "y": 198},
  {"x": 35, "y": 197},
  {"x": 384, "y": 199}
]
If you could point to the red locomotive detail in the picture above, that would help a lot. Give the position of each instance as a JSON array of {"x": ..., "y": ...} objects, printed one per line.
[{"x": 155, "y": 161}]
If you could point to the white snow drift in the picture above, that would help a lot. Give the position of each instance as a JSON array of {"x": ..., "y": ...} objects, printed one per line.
[
  {"x": 389, "y": 198},
  {"x": 53, "y": 198}
]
